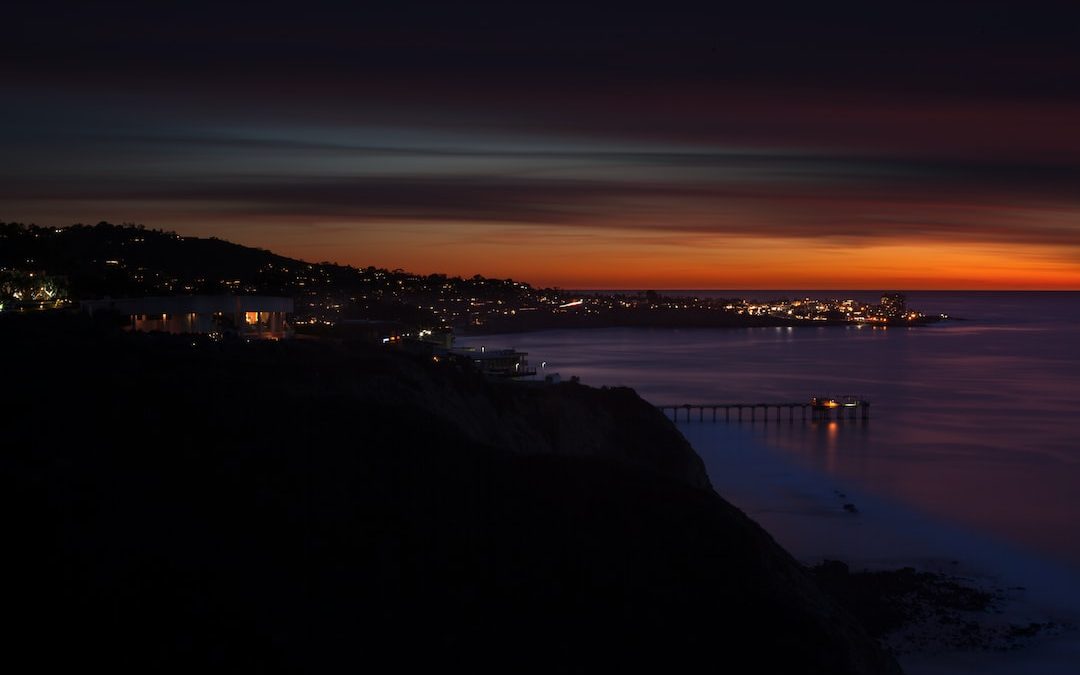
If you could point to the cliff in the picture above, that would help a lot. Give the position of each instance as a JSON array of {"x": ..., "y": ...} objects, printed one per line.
[{"x": 298, "y": 506}]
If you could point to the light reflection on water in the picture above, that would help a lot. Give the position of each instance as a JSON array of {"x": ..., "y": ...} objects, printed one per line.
[{"x": 975, "y": 422}]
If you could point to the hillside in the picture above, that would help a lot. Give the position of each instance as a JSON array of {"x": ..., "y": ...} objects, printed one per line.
[
  {"x": 101, "y": 260},
  {"x": 304, "y": 506},
  {"x": 106, "y": 259}
]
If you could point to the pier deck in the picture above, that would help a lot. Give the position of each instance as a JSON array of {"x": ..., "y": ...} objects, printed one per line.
[{"x": 723, "y": 412}]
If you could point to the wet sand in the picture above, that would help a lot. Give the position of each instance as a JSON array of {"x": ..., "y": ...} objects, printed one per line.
[{"x": 817, "y": 517}]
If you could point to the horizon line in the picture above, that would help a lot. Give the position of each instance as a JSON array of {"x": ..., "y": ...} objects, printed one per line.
[{"x": 880, "y": 289}]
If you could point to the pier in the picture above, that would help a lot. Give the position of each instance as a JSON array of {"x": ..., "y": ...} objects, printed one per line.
[{"x": 849, "y": 408}]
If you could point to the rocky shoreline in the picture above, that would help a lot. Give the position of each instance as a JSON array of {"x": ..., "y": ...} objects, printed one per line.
[{"x": 931, "y": 613}]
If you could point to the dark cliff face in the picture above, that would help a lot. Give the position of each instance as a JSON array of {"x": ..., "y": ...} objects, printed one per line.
[
  {"x": 299, "y": 506},
  {"x": 529, "y": 418},
  {"x": 615, "y": 424}
]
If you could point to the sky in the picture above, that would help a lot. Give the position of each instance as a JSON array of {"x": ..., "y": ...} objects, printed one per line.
[{"x": 784, "y": 145}]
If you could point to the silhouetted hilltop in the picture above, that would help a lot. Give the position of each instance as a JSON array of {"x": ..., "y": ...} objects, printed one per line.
[
  {"x": 130, "y": 260},
  {"x": 107, "y": 259},
  {"x": 296, "y": 505}
]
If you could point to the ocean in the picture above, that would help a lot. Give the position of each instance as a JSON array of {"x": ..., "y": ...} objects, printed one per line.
[{"x": 970, "y": 461}]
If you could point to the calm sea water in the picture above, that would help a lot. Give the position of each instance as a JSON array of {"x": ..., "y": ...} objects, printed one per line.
[{"x": 975, "y": 423}]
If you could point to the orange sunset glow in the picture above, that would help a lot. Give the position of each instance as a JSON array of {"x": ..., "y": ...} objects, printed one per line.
[
  {"x": 732, "y": 264},
  {"x": 594, "y": 258}
]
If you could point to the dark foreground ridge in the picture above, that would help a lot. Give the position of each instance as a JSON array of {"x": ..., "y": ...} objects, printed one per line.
[{"x": 304, "y": 506}]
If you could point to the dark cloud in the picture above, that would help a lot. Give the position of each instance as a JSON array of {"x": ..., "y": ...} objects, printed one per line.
[
  {"x": 854, "y": 122},
  {"x": 1019, "y": 49},
  {"x": 859, "y": 207}
]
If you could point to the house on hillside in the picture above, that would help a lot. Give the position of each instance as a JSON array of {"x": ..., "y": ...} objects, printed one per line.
[{"x": 246, "y": 316}]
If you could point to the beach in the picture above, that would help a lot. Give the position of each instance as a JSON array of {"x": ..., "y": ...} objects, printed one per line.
[{"x": 804, "y": 511}]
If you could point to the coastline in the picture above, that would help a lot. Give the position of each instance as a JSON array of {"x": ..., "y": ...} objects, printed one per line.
[
  {"x": 803, "y": 510},
  {"x": 396, "y": 507},
  {"x": 794, "y": 496},
  {"x": 570, "y": 447},
  {"x": 968, "y": 419},
  {"x": 678, "y": 320}
]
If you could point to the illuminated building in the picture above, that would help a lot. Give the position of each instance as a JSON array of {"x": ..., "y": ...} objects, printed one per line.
[
  {"x": 246, "y": 316},
  {"x": 893, "y": 304},
  {"x": 496, "y": 362}
]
